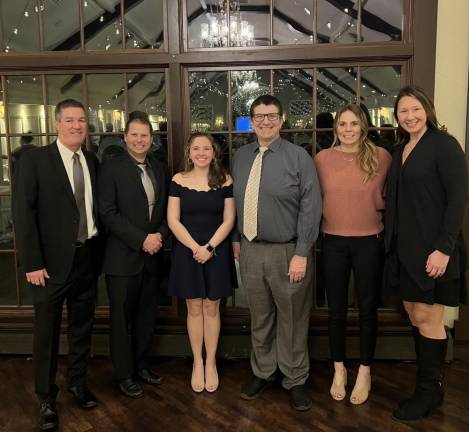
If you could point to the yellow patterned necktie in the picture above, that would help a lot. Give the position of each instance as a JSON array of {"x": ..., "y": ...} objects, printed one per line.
[{"x": 251, "y": 197}]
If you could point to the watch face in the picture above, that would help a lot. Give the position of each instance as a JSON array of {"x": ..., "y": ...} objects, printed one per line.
[{"x": 210, "y": 248}]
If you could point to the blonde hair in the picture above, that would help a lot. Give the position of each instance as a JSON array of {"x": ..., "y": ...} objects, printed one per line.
[{"x": 367, "y": 157}]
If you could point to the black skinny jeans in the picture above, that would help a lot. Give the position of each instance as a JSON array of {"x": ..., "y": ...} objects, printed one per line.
[{"x": 365, "y": 255}]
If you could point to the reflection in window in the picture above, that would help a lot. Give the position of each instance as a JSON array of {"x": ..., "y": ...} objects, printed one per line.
[
  {"x": 106, "y": 102},
  {"x": 246, "y": 86},
  {"x": 6, "y": 223},
  {"x": 19, "y": 26},
  {"x": 25, "y": 104},
  {"x": 61, "y": 25},
  {"x": 140, "y": 31},
  {"x": 302, "y": 139},
  {"x": 222, "y": 23},
  {"x": 293, "y": 22},
  {"x": 379, "y": 88},
  {"x": 60, "y": 87},
  {"x": 103, "y": 25},
  {"x": 208, "y": 96},
  {"x": 4, "y": 167},
  {"x": 382, "y": 20},
  {"x": 335, "y": 87},
  {"x": 336, "y": 22},
  {"x": 147, "y": 93},
  {"x": 294, "y": 89}
]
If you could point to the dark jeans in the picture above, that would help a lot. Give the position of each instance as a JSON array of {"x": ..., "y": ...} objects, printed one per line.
[
  {"x": 132, "y": 301},
  {"x": 365, "y": 255}
]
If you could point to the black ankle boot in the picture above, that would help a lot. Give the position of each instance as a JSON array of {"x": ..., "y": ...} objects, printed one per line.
[{"x": 428, "y": 395}]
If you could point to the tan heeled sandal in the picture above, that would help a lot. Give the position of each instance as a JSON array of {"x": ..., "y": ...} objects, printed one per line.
[
  {"x": 360, "y": 394},
  {"x": 211, "y": 386},
  {"x": 197, "y": 381},
  {"x": 337, "y": 390}
]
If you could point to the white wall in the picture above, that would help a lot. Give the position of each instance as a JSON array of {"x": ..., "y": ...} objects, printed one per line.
[{"x": 451, "y": 78}]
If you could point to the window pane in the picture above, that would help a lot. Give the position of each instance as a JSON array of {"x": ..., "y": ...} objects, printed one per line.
[
  {"x": 61, "y": 25},
  {"x": 4, "y": 166},
  {"x": 144, "y": 24},
  {"x": 209, "y": 99},
  {"x": 223, "y": 143},
  {"x": 6, "y": 224},
  {"x": 293, "y": 22},
  {"x": 208, "y": 23},
  {"x": 379, "y": 88},
  {"x": 335, "y": 87},
  {"x": 147, "y": 92},
  {"x": 382, "y": 21},
  {"x": 19, "y": 26},
  {"x": 302, "y": 139},
  {"x": 294, "y": 89},
  {"x": 60, "y": 87},
  {"x": 8, "y": 279},
  {"x": 246, "y": 86},
  {"x": 103, "y": 29},
  {"x": 25, "y": 104},
  {"x": 337, "y": 23},
  {"x": 106, "y": 102},
  {"x": 242, "y": 139}
]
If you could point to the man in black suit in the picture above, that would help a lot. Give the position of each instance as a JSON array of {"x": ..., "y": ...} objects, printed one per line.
[
  {"x": 55, "y": 217},
  {"x": 132, "y": 205}
]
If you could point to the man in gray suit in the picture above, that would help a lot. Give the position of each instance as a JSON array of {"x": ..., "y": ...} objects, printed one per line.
[{"x": 279, "y": 207}]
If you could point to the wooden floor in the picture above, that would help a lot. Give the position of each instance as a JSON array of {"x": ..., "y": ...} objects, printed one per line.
[{"x": 174, "y": 407}]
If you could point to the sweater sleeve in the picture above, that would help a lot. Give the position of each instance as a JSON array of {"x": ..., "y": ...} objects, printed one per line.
[{"x": 452, "y": 171}]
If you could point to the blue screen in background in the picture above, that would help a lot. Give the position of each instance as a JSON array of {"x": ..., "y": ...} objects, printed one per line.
[{"x": 243, "y": 124}]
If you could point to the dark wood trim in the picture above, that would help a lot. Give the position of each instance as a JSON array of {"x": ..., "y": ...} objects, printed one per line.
[{"x": 423, "y": 30}]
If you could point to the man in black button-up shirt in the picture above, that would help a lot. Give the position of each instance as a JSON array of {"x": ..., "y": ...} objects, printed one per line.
[{"x": 276, "y": 266}]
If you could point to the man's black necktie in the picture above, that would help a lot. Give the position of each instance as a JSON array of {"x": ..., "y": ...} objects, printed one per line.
[{"x": 79, "y": 185}]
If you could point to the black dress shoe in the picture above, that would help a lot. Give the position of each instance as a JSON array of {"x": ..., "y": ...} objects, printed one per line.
[
  {"x": 83, "y": 396},
  {"x": 254, "y": 388},
  {"x": 131, "y": 388},
  {"x": 146, "y": 375},
  {"x": 299, "y": 398},
  {"x": 47, "y": 415}
]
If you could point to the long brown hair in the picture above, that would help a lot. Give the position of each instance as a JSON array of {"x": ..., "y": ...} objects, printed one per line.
[
  {"x": 216, "y": 172},
  {"x": 367, "y": 157},
  {"x": 417, "y": 93}
]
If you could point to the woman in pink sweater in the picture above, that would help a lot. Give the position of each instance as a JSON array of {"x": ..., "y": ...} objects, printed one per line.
[{"x": 352, "y": 174}]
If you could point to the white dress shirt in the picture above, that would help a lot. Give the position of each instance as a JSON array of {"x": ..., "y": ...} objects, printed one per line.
[{"x": 67, "y": 159}]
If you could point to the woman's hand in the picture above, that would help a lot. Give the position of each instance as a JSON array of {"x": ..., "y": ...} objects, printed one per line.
[
  {"x": 202, "y": 255},
  {"x": 436, "y": 264}
]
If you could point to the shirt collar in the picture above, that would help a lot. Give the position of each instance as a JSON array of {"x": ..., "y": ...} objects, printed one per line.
[
  {"x": 274, "y": 145},
  {"x": 66, "y": 153}
]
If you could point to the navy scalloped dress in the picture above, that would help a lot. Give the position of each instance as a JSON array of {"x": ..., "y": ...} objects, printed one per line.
[{"x": 201, "y": 214}]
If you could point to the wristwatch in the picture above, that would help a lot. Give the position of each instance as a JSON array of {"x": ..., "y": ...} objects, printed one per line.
[{"x": 210, "y": 248}]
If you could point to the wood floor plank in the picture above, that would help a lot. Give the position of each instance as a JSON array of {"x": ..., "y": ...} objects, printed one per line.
[{"x": 173, "y": 406}]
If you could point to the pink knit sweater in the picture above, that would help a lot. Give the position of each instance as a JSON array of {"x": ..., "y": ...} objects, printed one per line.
[{"x": 351, "y": 207}]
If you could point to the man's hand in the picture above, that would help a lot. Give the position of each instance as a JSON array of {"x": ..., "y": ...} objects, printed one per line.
[
  {"x": 37, "y": 277},
  {"x": 436, "y": 264},
  {"x": 297, "y": 268},
  {"x": 153, "y": 243},
  {"x": 236, "y": 250}
]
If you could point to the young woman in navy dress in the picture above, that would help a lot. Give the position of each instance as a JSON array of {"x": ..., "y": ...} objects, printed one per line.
[{"x": 201, "y": 215}]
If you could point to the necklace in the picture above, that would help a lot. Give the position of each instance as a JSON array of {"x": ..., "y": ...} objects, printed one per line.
[{"x": 351, "y": 158}]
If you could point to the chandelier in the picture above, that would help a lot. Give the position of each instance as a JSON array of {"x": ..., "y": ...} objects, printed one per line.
[{"x": 226, "y": 18}]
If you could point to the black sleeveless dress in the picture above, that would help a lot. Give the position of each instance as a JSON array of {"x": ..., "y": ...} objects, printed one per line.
[{"x": 201, "y": 214}]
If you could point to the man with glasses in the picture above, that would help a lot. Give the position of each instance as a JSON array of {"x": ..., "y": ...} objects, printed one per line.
[
  {"x": 279, "y": 205},
  {"x": 55, "y": 217}
]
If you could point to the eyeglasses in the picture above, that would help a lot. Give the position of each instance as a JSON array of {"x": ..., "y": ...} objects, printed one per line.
[{"x": 258, "y": 118}]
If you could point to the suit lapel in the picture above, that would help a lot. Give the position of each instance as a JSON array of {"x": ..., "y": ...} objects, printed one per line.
[
  {"x": 61, "y": 173},
  {"x": 92, "y": 170},
  {"x": 134, "y": 173}
]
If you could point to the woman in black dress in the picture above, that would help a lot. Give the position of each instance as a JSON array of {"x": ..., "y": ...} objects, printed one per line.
[
  {"x": 201, "y": 214},
  {"x": 425, "y": 200}
]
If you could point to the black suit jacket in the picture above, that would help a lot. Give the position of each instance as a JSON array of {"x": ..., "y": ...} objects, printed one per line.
[
  {"x": 433, "y": 193},
  {"x": 45, "y": 213},
  {"x": 123, "y": 206}
]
